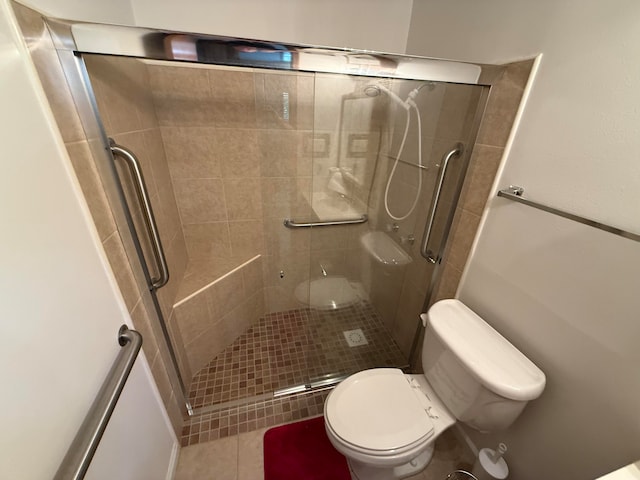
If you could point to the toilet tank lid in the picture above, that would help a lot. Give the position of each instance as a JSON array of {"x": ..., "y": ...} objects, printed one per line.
[{"x": 488, "y": 356}]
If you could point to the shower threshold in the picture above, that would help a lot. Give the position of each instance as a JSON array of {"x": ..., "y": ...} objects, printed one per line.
[
  {"x": 327, "y": 383},
  {"x": 284, "y": 392},
  {"x": 292, "y": 353},
  {"x": 331, "y": 381}
]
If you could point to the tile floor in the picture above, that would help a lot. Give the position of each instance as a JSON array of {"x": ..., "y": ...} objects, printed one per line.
[
  {"x": 240, "y": 457},
  {"x": 292, "y": 348}
]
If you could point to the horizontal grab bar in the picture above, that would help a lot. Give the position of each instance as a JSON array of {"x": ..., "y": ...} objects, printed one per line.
[
  {"x": 289, "y": 223},
  {"x": 411, "y": 164},
  {"x": 515, "y": 193},
  {"x": 76, "y": 462}
]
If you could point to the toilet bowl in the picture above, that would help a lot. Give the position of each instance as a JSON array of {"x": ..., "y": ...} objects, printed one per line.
[
  {"x": 386, "y": 422},
  {"x": 382, "y": 419}
]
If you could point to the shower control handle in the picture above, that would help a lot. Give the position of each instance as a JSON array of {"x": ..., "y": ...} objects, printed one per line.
[{"x": 425, "y": 251}]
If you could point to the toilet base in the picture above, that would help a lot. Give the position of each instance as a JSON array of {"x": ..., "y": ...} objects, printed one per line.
[{"x": 363, "y": 471}]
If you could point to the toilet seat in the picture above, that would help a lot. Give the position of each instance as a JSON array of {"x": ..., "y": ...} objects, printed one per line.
[
  {"x": 377, "y": 412},
  {"x": 380, "y": 454}
]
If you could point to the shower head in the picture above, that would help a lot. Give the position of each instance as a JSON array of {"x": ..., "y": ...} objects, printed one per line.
[{"x": 373, "y": 90}]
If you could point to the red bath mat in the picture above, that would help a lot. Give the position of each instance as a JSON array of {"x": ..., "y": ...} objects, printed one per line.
[{"x": 302, "y": 451}]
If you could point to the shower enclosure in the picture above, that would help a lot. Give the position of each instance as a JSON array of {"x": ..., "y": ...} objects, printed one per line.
[{"x": 289, "y": 206}]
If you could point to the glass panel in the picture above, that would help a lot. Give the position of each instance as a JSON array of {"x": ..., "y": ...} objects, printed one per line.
[
  {"x": 229, "y": 154},
  {"x": 285, "y": 126},
  {"x": 378, "y": 153},
  {"x": 226, "y": 154}
]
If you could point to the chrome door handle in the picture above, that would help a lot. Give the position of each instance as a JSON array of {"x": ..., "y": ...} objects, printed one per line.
[
  {"x": 424, "y": 248},
  {"x": 147, "y": 212}
]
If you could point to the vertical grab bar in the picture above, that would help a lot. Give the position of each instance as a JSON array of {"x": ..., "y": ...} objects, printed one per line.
[
  {"x": 149, "y": 220},
  {"x": 76, "y": 462},
  {"x": 424, "y": 248}
]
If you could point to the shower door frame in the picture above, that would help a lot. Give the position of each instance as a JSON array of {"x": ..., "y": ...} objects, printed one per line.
[{"x": 73, "y": 39}]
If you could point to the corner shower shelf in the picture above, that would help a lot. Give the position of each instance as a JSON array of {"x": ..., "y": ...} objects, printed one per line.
[{"x": 384, "y": 249}]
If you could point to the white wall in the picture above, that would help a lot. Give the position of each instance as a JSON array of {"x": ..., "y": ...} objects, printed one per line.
[
  {"x": 574, "y": 145},
  {"x": 61, "y": 309},
  {"x": 111, "y": 11},
  {"x": 139, "y": 442},
  {"x": 566, "y": 294},
  {"x": 366, "y": 24}
]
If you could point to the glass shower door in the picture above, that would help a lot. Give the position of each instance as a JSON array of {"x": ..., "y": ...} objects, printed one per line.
[
  {"x": 378, "y": 152},
  {"x": 246, "y": 168}
]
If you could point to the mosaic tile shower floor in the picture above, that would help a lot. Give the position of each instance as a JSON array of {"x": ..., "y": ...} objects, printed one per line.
[
  {"x": 291, "y": 348},
  {"x": 234, "y": 420}
]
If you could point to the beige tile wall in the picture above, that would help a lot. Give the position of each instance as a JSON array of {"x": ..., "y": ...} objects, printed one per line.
[
  {"x": 240, "y": 167},
  {"x": 500, "y": 113},
  {"x": 446, "y": 113},
  {"x": 64, "y": 110},
  {"x": 342, "y": 109},
  {"x": 219, "y": 313},
  {"x": 399, "y": 293},
  {"x": 237, "y": 167},
  {"x": 121, "y": 88}
]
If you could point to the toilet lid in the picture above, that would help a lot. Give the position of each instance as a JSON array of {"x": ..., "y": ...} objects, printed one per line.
[{"x": 377, "y": 410}]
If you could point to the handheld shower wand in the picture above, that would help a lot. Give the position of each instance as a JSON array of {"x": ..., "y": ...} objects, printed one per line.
[{"x": 374, "y": 90}]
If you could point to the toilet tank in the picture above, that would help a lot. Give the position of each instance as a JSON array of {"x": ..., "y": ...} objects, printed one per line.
[{"x": 482, "y": 378}]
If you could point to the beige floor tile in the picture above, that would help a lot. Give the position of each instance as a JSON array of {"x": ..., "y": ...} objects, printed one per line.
[
  {"x": 240, "y": 457},
  {"x": 216, "y": 460},
  {"x": 251, "y": 455}
]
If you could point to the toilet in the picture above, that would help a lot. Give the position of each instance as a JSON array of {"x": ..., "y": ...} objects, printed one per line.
[{"x": 386, "y": 422}]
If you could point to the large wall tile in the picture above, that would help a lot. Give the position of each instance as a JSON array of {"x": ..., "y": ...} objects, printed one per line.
[
  {"x": 227, "y": 293},
  {"x": 503, "y": 103},
  {"x": 117, "y": 85},
  {"x": 200, "y": 200},
  {"x": 237, "y": 151},
  {"x": 244, "y": 198},
  {"x": 233, "y": 86},
  {"x": 277, "y": 100},
  {"x": 178, "y": 347},
  {"x": 233, "y": 98},
  {"x": 181, "y": 95},
  {"x": 207, "y": 240},
  {"x": 252, "y": 277},
  {"x": 92, "y": 188},
  {"x": 58, "y": 94},
  {"x": 193, "y": 317},
  {"x": 483, "y": 166},
  {"x": 281, "y": 241},
  {"x": 122, "y": 270},
  {"x": 278, "y": 152},
  {"x": 279, "y": 197},
  {"x": 246, "y": 237},
  {"x": 190, "y": 152}
]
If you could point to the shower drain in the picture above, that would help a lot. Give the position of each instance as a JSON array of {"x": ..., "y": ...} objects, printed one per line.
[{"x": 355, "y": 338}]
